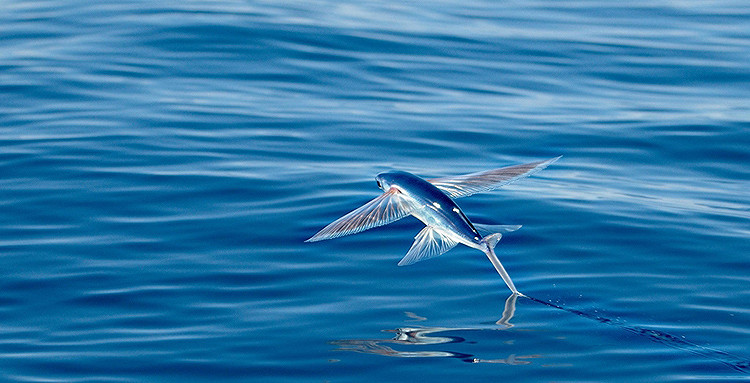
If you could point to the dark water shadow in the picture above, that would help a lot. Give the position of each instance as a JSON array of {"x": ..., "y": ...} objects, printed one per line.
[{"x": 435, "y": 338}]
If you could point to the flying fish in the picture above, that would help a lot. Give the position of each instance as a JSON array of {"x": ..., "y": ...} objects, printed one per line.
[{"x": 431, "y": 201}]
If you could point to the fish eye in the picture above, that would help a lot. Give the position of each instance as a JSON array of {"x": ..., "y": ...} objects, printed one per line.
[{"x": 379, "y": 185}]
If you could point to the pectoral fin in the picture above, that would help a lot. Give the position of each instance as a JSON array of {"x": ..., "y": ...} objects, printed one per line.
[
  {"x": 429, "y": 243},
  {"x": 384, "y": 209},
  {"x": 468, "y": 184}
]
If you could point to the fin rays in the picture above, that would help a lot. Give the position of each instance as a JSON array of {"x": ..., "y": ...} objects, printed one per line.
[
  {"x": 429, "y": 243},
  {"x": 384, "y": 209},
  {"x": 468, "y": 184},
  {"x": 485, "y": 229}
]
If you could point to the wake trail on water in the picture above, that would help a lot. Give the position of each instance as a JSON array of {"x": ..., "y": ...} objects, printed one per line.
[{"x": 732, "y": 361}]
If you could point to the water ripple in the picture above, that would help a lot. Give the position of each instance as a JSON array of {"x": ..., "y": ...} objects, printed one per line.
[{"x": 162, "y": 164}]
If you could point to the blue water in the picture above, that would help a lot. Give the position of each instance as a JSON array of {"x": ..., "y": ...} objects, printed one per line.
[{"x": 163, "y": 162}]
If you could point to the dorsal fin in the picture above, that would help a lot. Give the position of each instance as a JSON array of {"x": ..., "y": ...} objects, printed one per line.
[{"x": 485, "y": 229}]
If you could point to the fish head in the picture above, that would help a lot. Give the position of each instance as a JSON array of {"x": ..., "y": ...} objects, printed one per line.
[
  {"x": 398, "y": 178},
  {"x": 383, "y": 181}
]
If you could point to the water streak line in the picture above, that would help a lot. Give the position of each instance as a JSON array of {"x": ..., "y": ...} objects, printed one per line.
[{"x": 732, "y": 361}]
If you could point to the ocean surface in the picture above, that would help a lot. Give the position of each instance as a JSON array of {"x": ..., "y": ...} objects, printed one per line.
[{"x": 162, "y": 163}]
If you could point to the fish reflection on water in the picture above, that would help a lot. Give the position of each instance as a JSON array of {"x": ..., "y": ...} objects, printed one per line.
[{"x": 426, "y": 336}]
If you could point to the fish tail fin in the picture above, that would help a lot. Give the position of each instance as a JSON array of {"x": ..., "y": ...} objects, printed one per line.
[{"x": 491, "y": 241}]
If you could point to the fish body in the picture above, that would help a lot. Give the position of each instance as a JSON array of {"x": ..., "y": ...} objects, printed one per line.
[
  {"x": 433, "y": 207},
  {"x": 431, "y": 201}
]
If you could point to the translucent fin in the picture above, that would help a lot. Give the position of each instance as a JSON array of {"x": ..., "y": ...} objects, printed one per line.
[
  {"x": 489, "y": 229},
  {"x": 429, "y": 243},
  {"x": 466, "y": 185},
  {"x": 386, "y": 208},
  {"x": 491, "y": 240}
]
